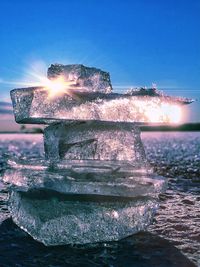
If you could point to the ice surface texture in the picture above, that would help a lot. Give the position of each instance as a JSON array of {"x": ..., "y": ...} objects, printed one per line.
[
  {"x": 33, "y": 105},
  {"x": 78, "y": 202},
  {"x": 89, "y": 79},
  {"x": 94, "y": 140},
  {"x": 86, "y": 94},
  {"x": 54, "y": 220},
  {"x": 85, "y": 178}
]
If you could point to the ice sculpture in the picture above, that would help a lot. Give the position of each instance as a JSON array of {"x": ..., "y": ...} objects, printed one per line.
[{"x": 95, "y": 183}]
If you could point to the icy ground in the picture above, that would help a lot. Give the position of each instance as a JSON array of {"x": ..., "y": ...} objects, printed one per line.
[{"x": 173, "y": 239}]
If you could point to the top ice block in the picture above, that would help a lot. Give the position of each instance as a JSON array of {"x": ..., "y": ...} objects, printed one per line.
[{"x": 89, "y": 78}]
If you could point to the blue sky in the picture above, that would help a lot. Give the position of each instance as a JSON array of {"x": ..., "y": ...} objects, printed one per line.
[{"x": 139, "y": 42}]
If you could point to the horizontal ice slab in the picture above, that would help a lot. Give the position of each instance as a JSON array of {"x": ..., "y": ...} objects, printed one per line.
[
  {"x": 94, "y": 140},
  {"x": 33, "y": 105},
  {"x": 84, "y": 165},
  {"x": 84, "y": 178},
  {"x": 54, "y": 220},
  {"x": 87, "y": 78}
]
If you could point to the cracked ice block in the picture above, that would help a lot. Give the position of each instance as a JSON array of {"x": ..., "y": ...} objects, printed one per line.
[
  {"x": 34, "y": 105},
  {"x": 81, "y": 201},
  {"x": 54, "y": 219},
  {"x": 86, "y": 202},
  {"x": 94, "y": 140},
  {"x": 88, "y": 78}
]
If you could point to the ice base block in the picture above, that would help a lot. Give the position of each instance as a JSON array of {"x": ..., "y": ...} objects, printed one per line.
[{"x": 78, "y": 202}]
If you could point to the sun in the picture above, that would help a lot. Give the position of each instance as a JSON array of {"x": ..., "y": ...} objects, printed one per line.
[{"x": 58, "y": 87}]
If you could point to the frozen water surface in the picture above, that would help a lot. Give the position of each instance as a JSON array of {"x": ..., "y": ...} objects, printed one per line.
[{"x": 174, "y": 155}]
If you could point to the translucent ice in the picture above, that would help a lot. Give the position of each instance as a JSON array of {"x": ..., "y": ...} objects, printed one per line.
[
  {"x": 85, "y": 178},
  {"x": 54, "y": 219},
  {"x": 87, "y": 78},
  {"x": 95, "y": 183},
  {"x": 33, "y": 105},
  {"x": 94, "y": 140},
  {"x": 81, "y": 201}
]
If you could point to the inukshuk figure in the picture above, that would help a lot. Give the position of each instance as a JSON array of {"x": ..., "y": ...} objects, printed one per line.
[{"x": 95, "y": 183}]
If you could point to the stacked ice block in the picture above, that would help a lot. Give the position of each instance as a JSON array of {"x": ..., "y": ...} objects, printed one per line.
[{"x": 95, "y": 184}]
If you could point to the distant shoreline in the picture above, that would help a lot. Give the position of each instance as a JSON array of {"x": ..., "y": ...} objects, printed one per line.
[
  {"x": 13, "y": 132},
  {"x": 187, "y": 127}
]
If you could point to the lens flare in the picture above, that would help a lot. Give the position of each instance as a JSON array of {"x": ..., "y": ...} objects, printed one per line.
[{"x": 58, "y": 87}]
